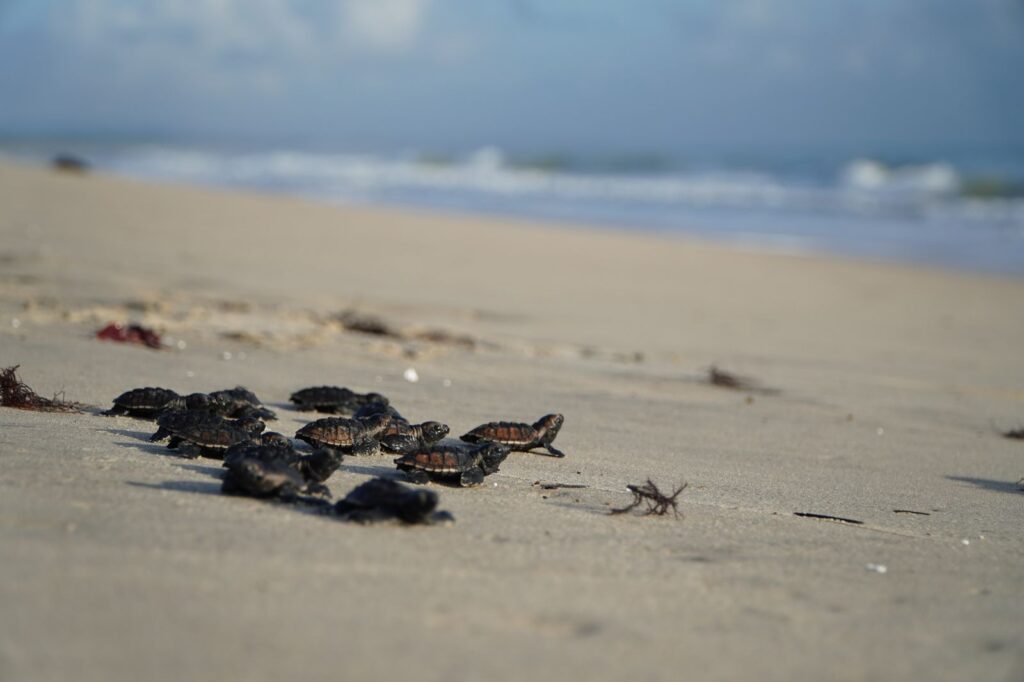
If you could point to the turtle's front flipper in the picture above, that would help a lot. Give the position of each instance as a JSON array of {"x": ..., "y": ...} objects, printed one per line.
[
  {"x": 553, "y": 451},
  {"x": 417, "y": 476},
  {"x": 189, "y": 450},
  {"x": 472, "y": 477},
  {"x": 160, "y": 434},
  {"x": 400, "y": 445},
  {"x": 115, "y": 411}
]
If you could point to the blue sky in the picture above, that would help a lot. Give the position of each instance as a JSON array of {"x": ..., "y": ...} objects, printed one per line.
[{"x": 646, "y": 75}]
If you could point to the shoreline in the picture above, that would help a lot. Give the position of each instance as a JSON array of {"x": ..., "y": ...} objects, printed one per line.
[{"x": 893, "y": 383}]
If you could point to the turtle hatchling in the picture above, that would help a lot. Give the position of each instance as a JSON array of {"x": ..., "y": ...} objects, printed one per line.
[
  {"x": 454, "y": 462},
  {"x": 314, "y": 468},
  {"x": 198, "y": 433},
  {"x": 240, "y": 402},
  {"x": 353, "y": 436},
  {"x": 150, "y": 402},
  {"x": 401, "y": 437},
  {"x": 384, "y": 499},
  {"x": 333, "y": 399},
  {"x": 519, "y": 436},
  {"x": 268, "y": 477}
]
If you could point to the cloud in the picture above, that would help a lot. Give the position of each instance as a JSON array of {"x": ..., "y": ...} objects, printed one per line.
[{"x": 385, "y": 25}]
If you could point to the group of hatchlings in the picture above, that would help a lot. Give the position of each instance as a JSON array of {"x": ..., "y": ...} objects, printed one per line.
[{"x": 229, "y": 425}]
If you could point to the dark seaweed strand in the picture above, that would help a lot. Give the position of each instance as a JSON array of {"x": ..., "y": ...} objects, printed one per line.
[
  {"x": 15, "y": 393},
  {"x": 658, "y": 503}
]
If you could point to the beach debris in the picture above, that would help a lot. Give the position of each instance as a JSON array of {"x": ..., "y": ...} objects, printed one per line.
[
  {"x": 69, "y": 163},
  {"x": 365, "y": 323},
  {"x": 1020, "y": 484},
  {"x": 196, "y": 433},
  {"x": 17, "y": 394},
  {"x": 828, "y": 517},
  {"x": 519, "y": 436},
  {"x": 910, "y": 511},
  {"x": 877, "y": 568},
  {"x": 556, "y": 486},
  {"x": 334, "y": 399},
  {"x": 1015, "y": 434},
  {"x": 384, "y": 499},
  {"x": 133, "y": 333},
  {"x": 411, "y": 375},
  {"x": 657, "y": 502},
  {"x": 453, "y": 462},
  {"x": 724, "y": 379},
  {"x": 351, "y": 436},
  {"x": 401, "y": 437}
]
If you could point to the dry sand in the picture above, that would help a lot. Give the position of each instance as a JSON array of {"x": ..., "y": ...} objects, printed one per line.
[{"x": 120, "y": 562}]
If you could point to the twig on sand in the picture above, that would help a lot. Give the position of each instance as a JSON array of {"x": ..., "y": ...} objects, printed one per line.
[
  {"x": 17, "y": 394},
  {"x": 658, "y": 503},
  {"x": 1015, "y": 434},
  {"x": 736, "y": 382}
]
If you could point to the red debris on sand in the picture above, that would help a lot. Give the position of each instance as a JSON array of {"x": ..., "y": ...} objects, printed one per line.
[{"x": 133, "y": 333}]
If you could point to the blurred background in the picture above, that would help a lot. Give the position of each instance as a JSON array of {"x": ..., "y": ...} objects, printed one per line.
[{"x": 891, "y": 129}]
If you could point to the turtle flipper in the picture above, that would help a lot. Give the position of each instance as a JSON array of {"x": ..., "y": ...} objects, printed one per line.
[
  {"x": 115, "y": 411},
  {"x": 472, "y": 477},
  {"x": 417, "y": 476},
  {"x": 553, "y": 451},
  {"x": 400, "y": 445},
  {"x": 189, "y": 450},
  {"x": 160, "y": 434}
]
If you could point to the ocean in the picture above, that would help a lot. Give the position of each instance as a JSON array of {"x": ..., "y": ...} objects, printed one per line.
[{"x": 965, "y": 213}]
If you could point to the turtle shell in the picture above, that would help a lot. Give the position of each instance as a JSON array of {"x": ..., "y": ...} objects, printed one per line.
[
  {"x": 339, "y": 432},
  {"x": 513, "y": 434},
  {"x": 150, "y": 398},
  {"x": 439, "y": 459},
  {"x": 334, "y": 399},
  {"x": 261, "y": 477}
]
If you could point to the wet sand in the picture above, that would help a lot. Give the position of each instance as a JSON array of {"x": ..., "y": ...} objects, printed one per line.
[{"x": 890, "y": 387}]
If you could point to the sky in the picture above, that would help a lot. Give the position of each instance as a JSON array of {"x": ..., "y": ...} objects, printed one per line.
[{"x": 639, "y": 76}]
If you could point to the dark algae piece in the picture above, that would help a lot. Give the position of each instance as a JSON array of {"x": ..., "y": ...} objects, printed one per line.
[
  {"x": 17, "y": 394},
  {"x": 656, "y": 502}
]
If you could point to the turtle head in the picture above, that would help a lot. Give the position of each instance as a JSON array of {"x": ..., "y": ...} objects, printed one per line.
[
  {"x": 433, "y": 431},
  {"x": 376, "y": 398},
  {"x": 251, "y": 425},
  {"x": 274, "y": 438},
  {"x": 491, "y": 456},
  {"x": 322, "y": 463},
  {"x": 548, "y": 426}
]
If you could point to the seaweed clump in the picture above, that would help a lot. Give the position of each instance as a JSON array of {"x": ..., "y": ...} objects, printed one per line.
[
  {"x": 16, "y": 393},
  {"x": 657, "y": 502}
]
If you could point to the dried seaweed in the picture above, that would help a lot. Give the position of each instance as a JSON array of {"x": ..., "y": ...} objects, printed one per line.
[
  {"x": 15, "y": 393},
  {"x": 910, "y": 511},
  {"x": 1015, "y": 434},
  {"x": 657, "y": 502},
  {"x": 364, "y": 323},
  {"x": 828, "y": 517},
  {"x": 556, "y": 486},
  {"x": 723, "y": 379}
]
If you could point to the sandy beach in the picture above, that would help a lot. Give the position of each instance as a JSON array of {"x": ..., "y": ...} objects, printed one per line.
[{"x": 882, "y": 393}]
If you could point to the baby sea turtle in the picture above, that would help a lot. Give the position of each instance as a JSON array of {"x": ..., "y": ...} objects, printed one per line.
[
  {"x": 384, "y": 499},
  {"x": 353, "y": 436},
  {"x": 240, "y": 402},
  {"x": 333, "y": 399},
  {"x": 268, "y": 477},
  {"x": 519, "y": 436},
  {"x": 149, "y": 402},
  {"x": 196, "y": 433},
  {"x": 371, "y": 409},
  {"x": 316, "y": 467},
  {"x": 401, "y": 437},
  {"x": 466, "y": 465}
]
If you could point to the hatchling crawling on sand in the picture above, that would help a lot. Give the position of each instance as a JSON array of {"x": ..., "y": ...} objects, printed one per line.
[
  {"x": 316, "y": 467},
  {"x": 268, "y": 476},
  {"x": 519, "y": 436},
  {"x": 401, "y": 437},
  {"x": 454, "y": 462},
  {"x": 239, "y": 402},
  {"x": 384, "y": 499},
  {"x": 334, "y": 399},
  {"x": 152, "y": 401},
  {"x": 197, "y": 433},
  {"x": 353, "y": 436}
]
